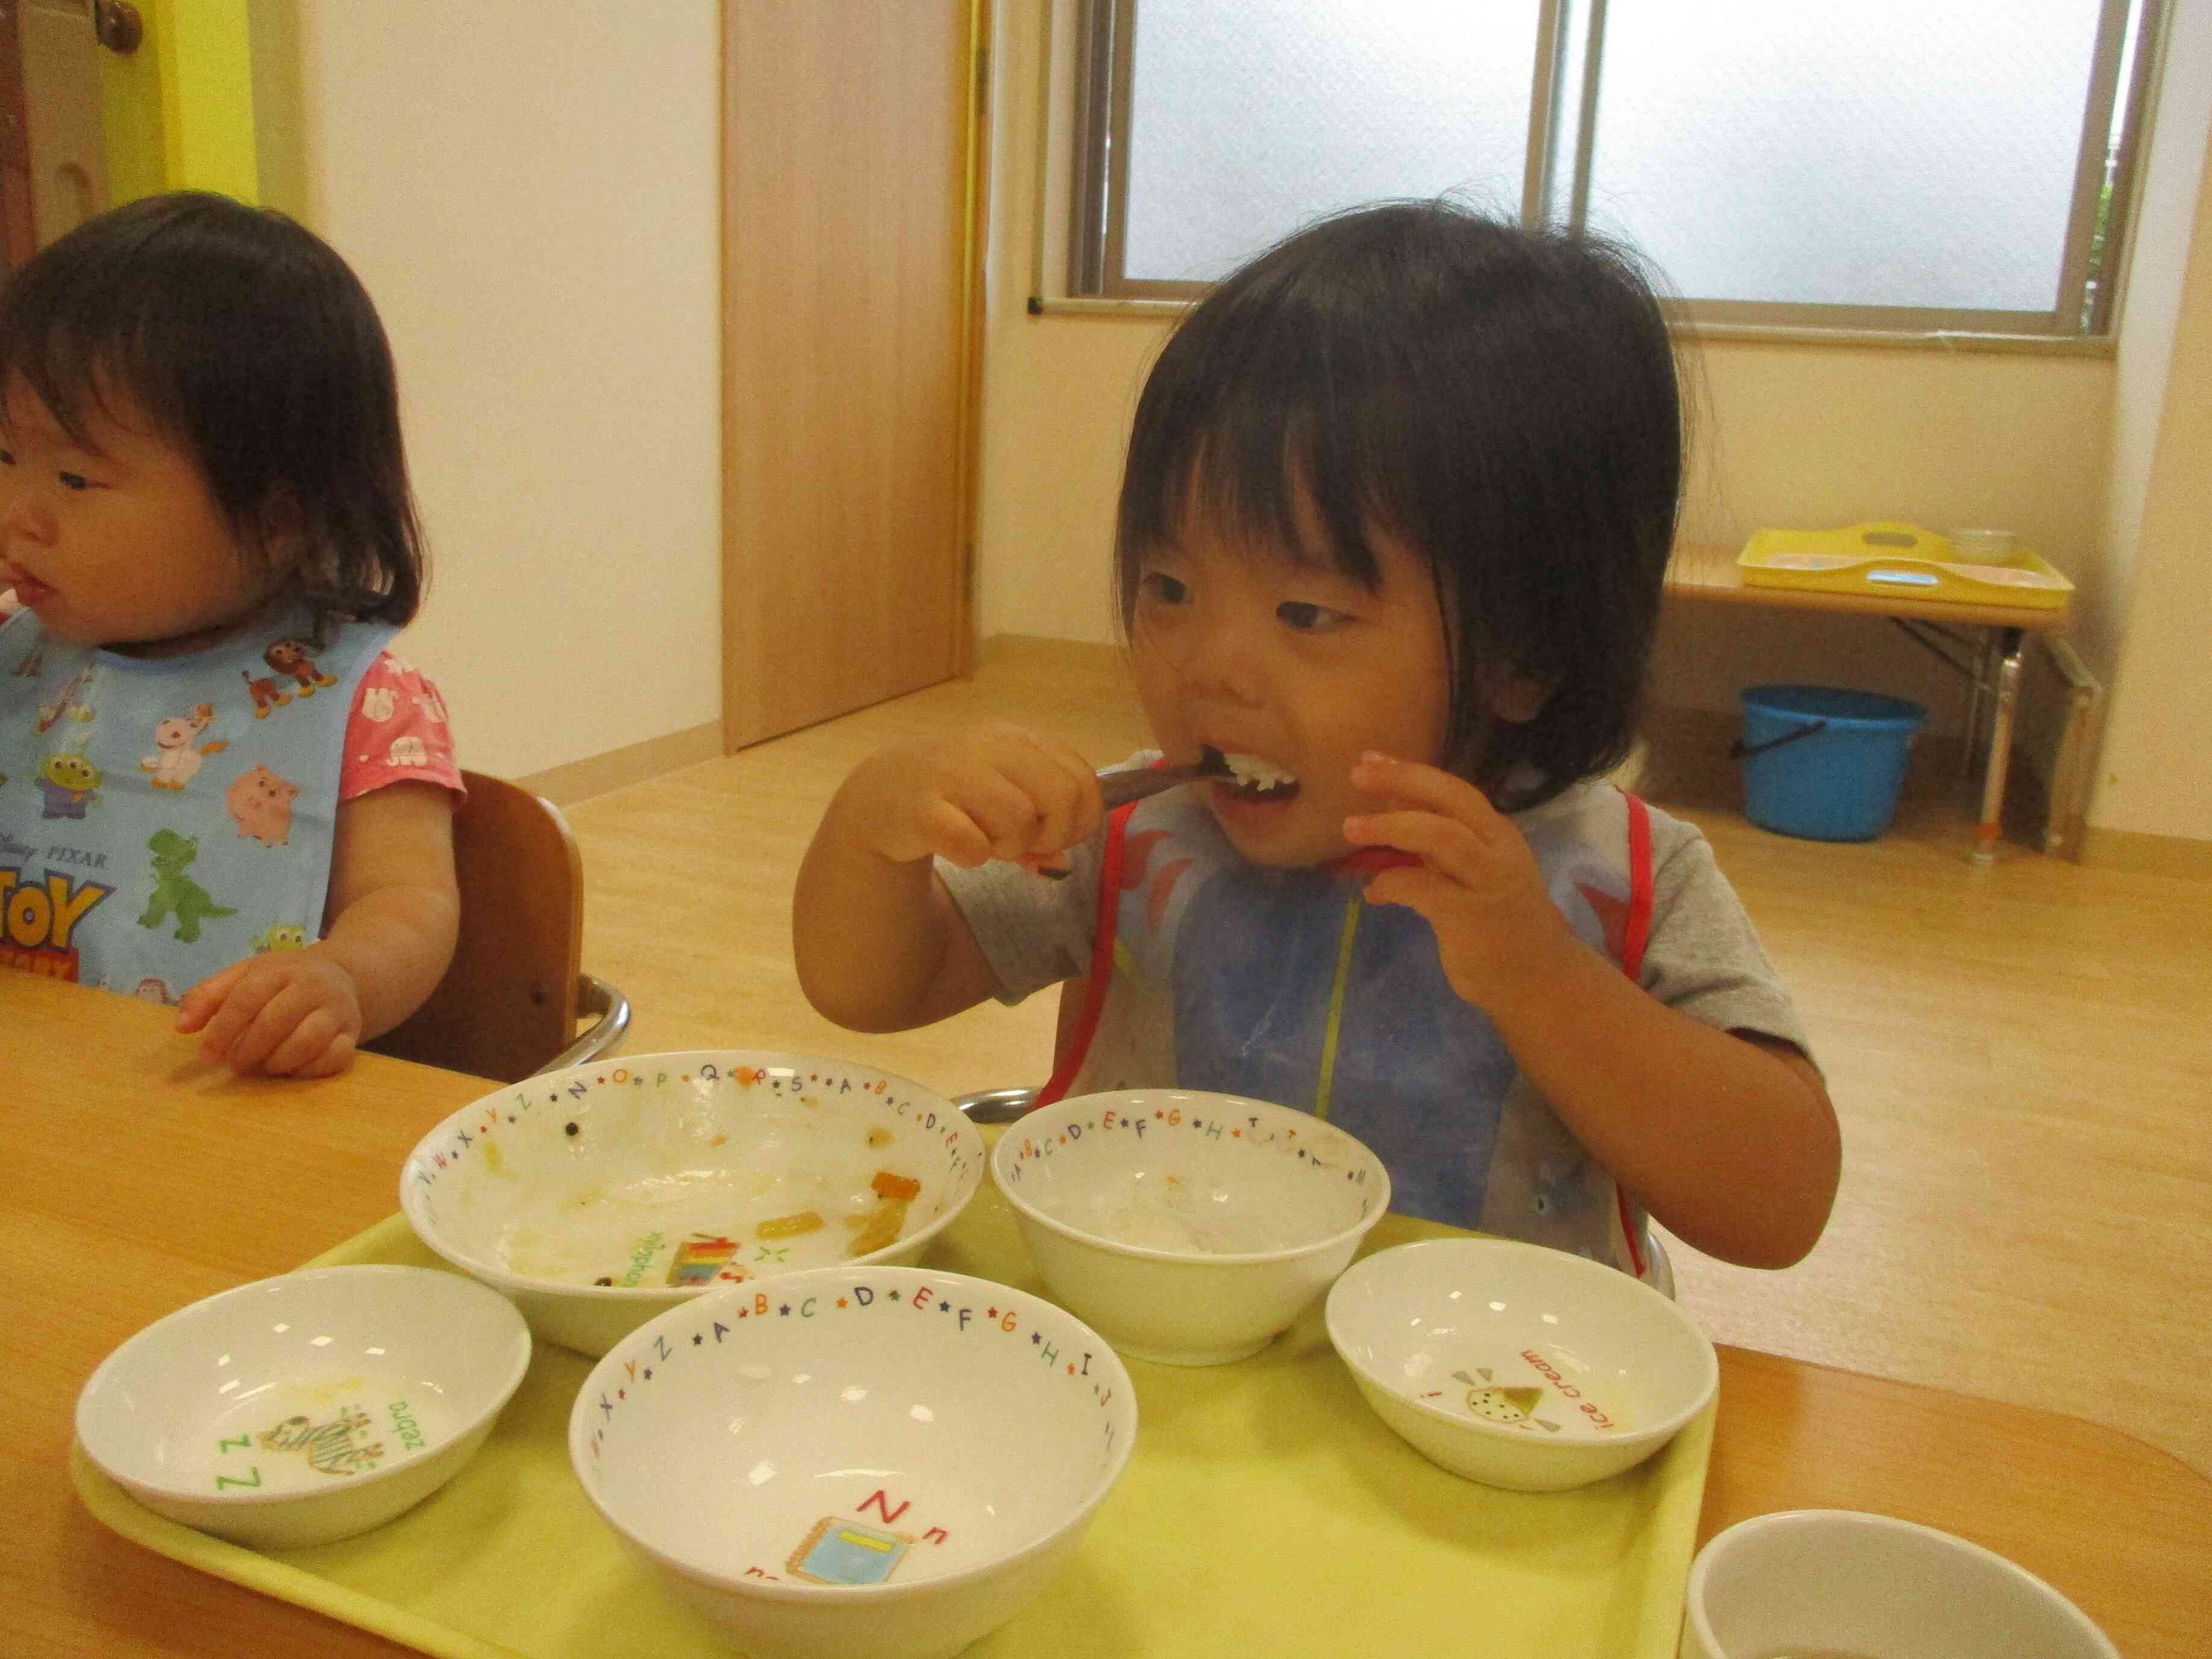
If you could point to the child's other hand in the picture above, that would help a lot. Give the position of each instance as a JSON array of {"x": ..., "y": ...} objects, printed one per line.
[
  {"x": 995, "y": 791},
  {"x": 1478, "y": 882},
  {"x": 287, "y": 1013}
]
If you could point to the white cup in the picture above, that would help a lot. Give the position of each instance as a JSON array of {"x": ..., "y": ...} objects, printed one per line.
[{"x": 1838, "y": 1582}]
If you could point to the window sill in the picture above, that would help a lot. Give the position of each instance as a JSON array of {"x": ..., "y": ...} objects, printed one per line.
[
  {"x": 1949, "y": 341},
  {"x": 1142, "y": 310}
]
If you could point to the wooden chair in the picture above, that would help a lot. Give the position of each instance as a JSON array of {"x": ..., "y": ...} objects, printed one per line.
[{"x": 509, "y": 1002}]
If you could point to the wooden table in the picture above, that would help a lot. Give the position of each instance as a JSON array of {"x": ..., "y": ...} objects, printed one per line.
[
  {"x": 139, "y": 1181},
  {"x": 1995, "y": 638}
]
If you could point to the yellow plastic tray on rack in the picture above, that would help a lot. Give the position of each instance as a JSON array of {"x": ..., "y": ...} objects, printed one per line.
[
  {"x": 1889, "y": 557},
  {"x": 1265, "y": 1510}
]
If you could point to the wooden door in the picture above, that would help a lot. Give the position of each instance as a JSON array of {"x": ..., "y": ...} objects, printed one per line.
[
  {"x": 58, "y": 146},
  {"x": 854, "y": 135},
  {"x": 19, "y": 236}
]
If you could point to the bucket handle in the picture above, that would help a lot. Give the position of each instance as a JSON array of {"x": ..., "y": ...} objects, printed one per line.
[{"x": 1737, "y": 751}]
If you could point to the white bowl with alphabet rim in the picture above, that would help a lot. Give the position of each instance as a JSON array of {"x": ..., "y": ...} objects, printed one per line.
[
  {"x": 863, "y": 1459},
  {"x": 308, "y": 1408},
  {"x": 1516, "y": 1364},
  {"x": 1190, "y": 1227},
  {"x": 600, "y": 1196}
]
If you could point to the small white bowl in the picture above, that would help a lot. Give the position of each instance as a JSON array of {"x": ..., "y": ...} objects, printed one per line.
[
  {"x": 308, "y": 1408},
  {"x": 866, "y": 1460},
  {"x": 1519, "y": 1365},
  {"x": 1840, "y": 1581},
  {"x": 1190, "y": 1228},
  {"x": 600, "y": 1196}
]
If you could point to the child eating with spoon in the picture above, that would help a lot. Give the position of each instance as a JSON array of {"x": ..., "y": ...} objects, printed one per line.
[{"x": 1393, "y": 524}]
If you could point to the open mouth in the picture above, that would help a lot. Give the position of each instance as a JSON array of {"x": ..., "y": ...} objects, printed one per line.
[{"x": 1246, "y": 775}]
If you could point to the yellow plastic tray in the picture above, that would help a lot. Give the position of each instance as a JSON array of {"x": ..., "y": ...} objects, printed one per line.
[
  {"x": 1888, "y": 557},
  {"x": 1265, "y": 1510}
]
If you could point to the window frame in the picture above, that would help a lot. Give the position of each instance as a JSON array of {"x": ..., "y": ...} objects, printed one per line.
[{"x": 1567, "y": 75}]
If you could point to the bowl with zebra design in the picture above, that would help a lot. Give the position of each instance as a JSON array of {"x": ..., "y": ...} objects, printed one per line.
[{"x": 307, "y": 1407}]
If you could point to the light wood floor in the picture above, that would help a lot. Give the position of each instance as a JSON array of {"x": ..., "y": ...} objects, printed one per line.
[{"x": 2021, "y": 1056}]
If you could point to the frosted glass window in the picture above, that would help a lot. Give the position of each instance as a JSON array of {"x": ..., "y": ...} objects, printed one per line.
[
  {"x": 1882, "y": 153},
  {"x": 1248, "y": 117},
  {"x": 1895, "y": 165}
]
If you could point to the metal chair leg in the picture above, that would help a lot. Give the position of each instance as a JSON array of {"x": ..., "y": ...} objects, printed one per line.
[
  {"x": 996, "y": 1105},
  {"x": 594, "y": 996},
  {"x": 1991, "y": 827}
]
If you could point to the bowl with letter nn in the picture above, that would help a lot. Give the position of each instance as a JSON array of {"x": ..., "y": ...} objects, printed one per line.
[
  {"x": 308, "y": 1408},
  {"x": 866, "y": 1460},
  {"x": 600, "y": 1196},
  {"x": 1190, "y": 1228},
  {"x": 1516, "y": 1364}
]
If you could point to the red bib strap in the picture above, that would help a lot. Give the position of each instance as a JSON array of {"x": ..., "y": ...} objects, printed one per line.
[
  {"x": 1069, "y": 1060},
  {"x": 1634, "y": 936}
]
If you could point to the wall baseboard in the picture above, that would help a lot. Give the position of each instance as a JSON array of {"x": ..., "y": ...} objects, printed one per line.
[
  {"x": 2146, "y": 854},
  {"x": 596, "y": 774},
  {"x": 1032, "y": 647}
]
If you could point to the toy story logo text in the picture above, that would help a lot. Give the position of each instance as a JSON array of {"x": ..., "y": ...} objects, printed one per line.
[{"x": 40, "y": 912}]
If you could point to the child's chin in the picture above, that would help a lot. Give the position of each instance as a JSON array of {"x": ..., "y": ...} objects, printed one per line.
[
  {"x": 1287, "y": 844},
  {"x": 57, "y": 624}
]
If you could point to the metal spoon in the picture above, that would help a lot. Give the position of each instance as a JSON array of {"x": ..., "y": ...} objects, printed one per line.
[{"x": 1118, "y": 789}]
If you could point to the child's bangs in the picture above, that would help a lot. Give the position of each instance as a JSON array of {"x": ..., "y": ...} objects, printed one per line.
[
  {"x": 63, "y": 371},
  {"x": 82, "y": 348},
  {"x": 1257, "y": 477}
]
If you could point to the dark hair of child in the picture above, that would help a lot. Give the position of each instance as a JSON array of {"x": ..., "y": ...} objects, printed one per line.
[
  {"x": 253, "y": 348},
  {"x": 1501, "y": 401}
]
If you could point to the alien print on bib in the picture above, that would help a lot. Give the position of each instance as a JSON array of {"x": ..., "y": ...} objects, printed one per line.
[{"x": 163, "y": 818}]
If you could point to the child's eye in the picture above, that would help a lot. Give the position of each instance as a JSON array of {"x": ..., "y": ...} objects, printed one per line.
[
  {"x": 74, "y": 481},
  {"x": 1160, "y": 587},
  {"x": 1309, "y": 618}
]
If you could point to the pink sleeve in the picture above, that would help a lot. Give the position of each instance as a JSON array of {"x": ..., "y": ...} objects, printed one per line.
[{"x": 396, "y": 734}]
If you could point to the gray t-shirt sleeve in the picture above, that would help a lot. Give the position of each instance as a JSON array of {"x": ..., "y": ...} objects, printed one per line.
[
  {"x": 1703, "y": 956},
  {"x": 1034, "y": 932}
]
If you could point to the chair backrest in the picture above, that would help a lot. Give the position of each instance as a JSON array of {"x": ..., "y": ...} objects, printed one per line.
[{"x": 508, "y": 1002}]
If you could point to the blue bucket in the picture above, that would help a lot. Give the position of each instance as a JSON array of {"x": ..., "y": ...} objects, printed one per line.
[{"x": 1822, "y": 763}]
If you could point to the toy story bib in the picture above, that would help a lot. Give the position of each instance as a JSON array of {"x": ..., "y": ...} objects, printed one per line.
[
  {"x": 1210, "y": 972},
  {"x": 161, "y": 819}
]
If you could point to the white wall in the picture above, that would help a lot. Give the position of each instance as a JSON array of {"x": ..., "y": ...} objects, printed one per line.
[
  {"x": 531, "y": 195},
  {"x": 1796, "y": 435},
  {"x": 2145, "y": 628}
]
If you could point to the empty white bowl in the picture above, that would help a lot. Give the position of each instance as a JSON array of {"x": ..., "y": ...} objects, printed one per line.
[
  {"x": 1190, "y": 1228},
  {"x": 599, "y": 1197},
  {"x": 1840, "y": 1581},
  {"x": 857, "y": 1460},
  {"x": 1519, "y": 1365},
  {"x": 306, "y": 1408}
]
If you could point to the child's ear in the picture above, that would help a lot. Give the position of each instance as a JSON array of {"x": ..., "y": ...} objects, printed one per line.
[
  {"x": 281, "y": 526},
  {"x": 1516, "y": 698}
]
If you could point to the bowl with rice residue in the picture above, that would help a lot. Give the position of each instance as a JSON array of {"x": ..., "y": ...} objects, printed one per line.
[{"x": 1186, "y": 1227}]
